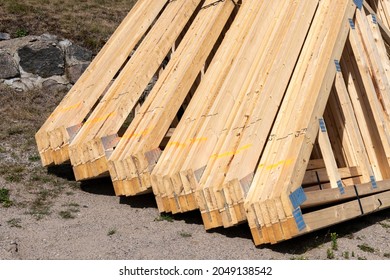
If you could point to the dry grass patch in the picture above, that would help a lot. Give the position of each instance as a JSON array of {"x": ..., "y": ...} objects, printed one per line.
[{"x": 87, "y": 22}]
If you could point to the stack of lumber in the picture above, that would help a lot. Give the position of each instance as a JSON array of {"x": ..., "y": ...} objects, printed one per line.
[{"x": 274, "y": 113}]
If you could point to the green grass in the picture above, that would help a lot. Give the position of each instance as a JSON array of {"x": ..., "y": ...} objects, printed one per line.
[
  {"x": 14, "y": 222},
  {"x": 41, "y": 205},
  {"x": 384, "y": 225},
  {"x": 71, "y": 208},
  {"x": 111, "y": 232},
  {"x": 333, "y": 237},
  {"x": 185, "y": 234},
  {"x": 4, "y": 198},
  {"x": 366, "y": 248},
  {"x": 164, "y": 217},
  {"x": 34, "y": 158},
  {"x": 66, "y": 214},
  {"x": 88, "y": 23},
  {"x": 330, "y": 254},
  {"x": 298, "y": 258},
  {"x": 346, "y": 255}
]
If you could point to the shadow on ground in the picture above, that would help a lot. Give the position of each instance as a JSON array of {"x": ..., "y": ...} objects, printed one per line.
[
  {"x": 298, "y": 245},
  {"x": 63, "y": 171}
]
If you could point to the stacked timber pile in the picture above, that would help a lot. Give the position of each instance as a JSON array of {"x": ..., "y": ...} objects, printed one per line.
[{"x": 274, "y": 113}]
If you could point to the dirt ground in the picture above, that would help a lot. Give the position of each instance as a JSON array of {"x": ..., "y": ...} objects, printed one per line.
[{"x": 45, "y": 214}]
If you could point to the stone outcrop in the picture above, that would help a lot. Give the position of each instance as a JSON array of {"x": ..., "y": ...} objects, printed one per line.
[{"x": 41, "y": 62}]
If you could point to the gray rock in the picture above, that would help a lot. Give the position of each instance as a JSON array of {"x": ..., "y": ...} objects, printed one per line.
[
  {"x": 53, "y": 85},
  {"x": 64, "y": 44},
  {"x": 4, "y": 36},
  {"x": 75, "y": 71},
  {"x": 45, "y": 62},
  {"x": 20, "y": 84},
  {"x": 75, "y": 53},
  {"x": 8, "y": 67}
]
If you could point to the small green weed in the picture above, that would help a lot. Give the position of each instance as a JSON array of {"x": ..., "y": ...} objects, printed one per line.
[
  {"x": 185, "y": 234},
  {"x": 40, "y": 206},
  {"x": 34, "y": 158},
  {"x": 4, "y": 198},
  {"x": 365, "y": 248},
  {"x": 353, "y": 254},
  {"x": 66, "y": 214},
  {"x": 329, "y": 254},
  {"x": 14, "y": 222},
  {"x": 384, "y": 225},
  {"x": 111, "y": 232},
  {"x": 333, "y": 237},
  {"x": 21, "y": 33},
  {"x": 298, "y": 258},
  {"x": 164, "y": 217},
  {"x": 346, "y": 255},
  {"x": 386, "y": 255},
  {"x": 69, "y": 212}
]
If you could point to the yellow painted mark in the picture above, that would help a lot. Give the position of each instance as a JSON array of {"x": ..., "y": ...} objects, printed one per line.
[
  {"x": 65, "y": 109},
  {"x": 276, "y": 165},
  {"x": 100, "y": 119},
  {"x": 228, "y": 154},
  {"x": 133, "y": 135},
  {"x": 187, "y": 143}
]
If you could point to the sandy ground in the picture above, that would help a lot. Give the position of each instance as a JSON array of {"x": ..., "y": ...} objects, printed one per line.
[{"x": 111, "y": 228}]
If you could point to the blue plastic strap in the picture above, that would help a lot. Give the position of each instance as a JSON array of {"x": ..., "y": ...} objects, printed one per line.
[
  {"x": 341, "y": 187},
  {"x": 298, "y": 197},
  {"x": 358, "y": 3},
  {"x": 299, "y": 219},
  {"x": 322, "y": 125},
  {"x": 351, "y": 23},
  {"x": 373, "y": 182},
  {"x": 338, "y": 67}
]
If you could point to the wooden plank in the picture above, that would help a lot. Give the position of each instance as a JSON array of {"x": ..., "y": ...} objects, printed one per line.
[
  {"x": 379, "y": 118},
  {"x": 329, "y": 196},
  {"x": 156, "y": 115},
  {"x": 384, "y": 28},
  {"x": 92, "y": 84},
  {"x": 117, "y": 104},
  {"x": 371, "y": 138},
  {"x": 352, "y": 128},
  {"x": 196, "y": 141},
  {"x": 328, "y": 156},
  {"x": 239, "y": 151},
  {"x": 296, "y": 127},
  {"x": 185, "y": 134}
]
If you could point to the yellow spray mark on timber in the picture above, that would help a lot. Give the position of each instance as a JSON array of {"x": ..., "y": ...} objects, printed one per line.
[
  {"x": 100, "y": 119},
  {"x": 186, "y": 143},
  {"x": 232, "y": 153},
  {"x": 65, "y": 109},
  {"x": 276, "y": 165}
]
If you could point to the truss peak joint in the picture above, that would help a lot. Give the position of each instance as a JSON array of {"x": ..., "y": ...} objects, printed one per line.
[{"x": 358, "y": 3}]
